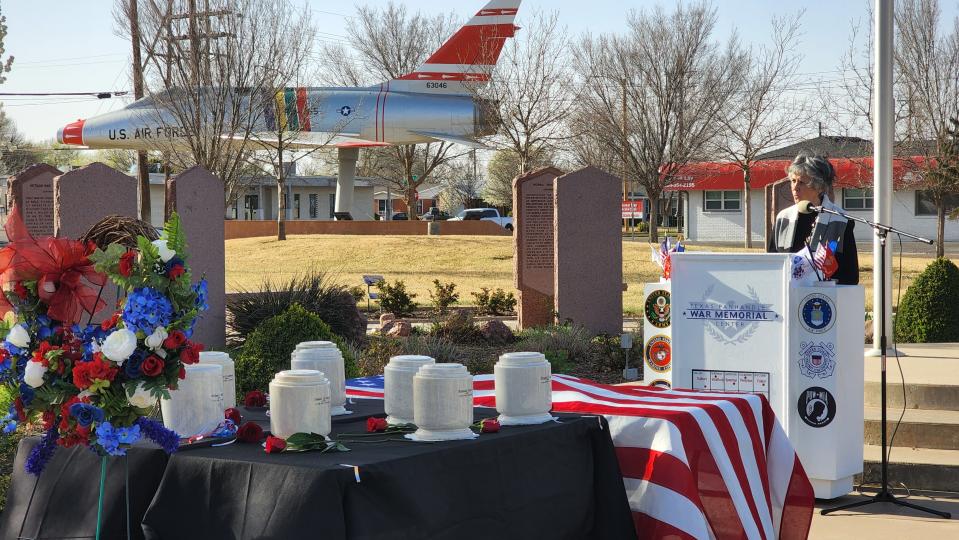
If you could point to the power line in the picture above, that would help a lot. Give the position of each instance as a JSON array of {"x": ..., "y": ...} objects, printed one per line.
[{"x": 98, "y": 95}]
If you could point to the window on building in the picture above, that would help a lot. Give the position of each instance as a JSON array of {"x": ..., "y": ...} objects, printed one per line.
[
  {"x": 296, "y": 206},
  {"x": 381, "y": 207},
  {"x": 251, "y": 207},
  {"x": 314, "y": 205},
  {"x": 926, "y": 205},
  {"x": 332, "y": 204},
  {"x": 857, "y": 198},
  {"x": 718, "y": 201},
  {"x": 419, "y": 208}
]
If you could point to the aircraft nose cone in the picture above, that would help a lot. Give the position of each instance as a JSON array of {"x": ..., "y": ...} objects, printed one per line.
[{"x": 72, "y": 133}]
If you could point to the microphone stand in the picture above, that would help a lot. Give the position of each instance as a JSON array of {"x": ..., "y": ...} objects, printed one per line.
[{"x": 884, "y": 495}]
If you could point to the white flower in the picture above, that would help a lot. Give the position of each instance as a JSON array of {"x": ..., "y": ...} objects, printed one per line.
[
  {"x": 119, "y": 345},
  {"x": 18, "y": 336},
  {"x": 142, "y": 398},
  {"x": 155, "y": 340},
  {"x": 33, "y": 374},
  {"x": 165, "y": 253}
]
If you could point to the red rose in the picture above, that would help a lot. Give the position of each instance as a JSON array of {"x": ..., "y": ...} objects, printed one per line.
[
  {"x": 374, "y": 425},
  {"x": 111, "y": 322},
  {"x": 191, "y": 353},
  {"x": 18, "y": 405},
  {"x": 126, "y": 263},
  {"x": 49, "y": 417},
  {"x": 254, "y": 398},
  {"x": 232, "y": 414},
  {"x": 249, "y": 432},
  {"x": 175, "y": 340},
  {"x": 182, "y": 373},
  {"x": 175, "y": 271},
  {"x": 21, "y": 291},
  {"x": 85, "y": 373},
  {"x": 275, "y": 445},
  {"x": 489, "y": 425},
  {"x": 152, "y": 366}
]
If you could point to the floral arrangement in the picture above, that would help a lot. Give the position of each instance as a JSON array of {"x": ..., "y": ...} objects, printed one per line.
[
  {"x": 663, "y": 255},
  {"x": 94, "y": 385}
]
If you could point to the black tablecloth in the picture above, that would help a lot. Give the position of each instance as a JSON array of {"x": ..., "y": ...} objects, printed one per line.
[{"x": 557, "y": 480}]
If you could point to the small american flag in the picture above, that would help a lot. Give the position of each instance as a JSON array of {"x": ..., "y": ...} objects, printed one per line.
[
  {"x": 825, "y": 258},
  {"x": 694, "y": 464}
]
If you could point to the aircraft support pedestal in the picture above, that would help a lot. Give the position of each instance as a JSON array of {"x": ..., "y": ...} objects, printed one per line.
[{"x": 345, "y": 180}]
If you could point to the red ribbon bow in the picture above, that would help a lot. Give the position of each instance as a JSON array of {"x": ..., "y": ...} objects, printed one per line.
[{"x": 66, "y": 279}]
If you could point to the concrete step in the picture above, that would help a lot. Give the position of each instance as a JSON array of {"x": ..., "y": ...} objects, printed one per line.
[
  {"x": 917, "y": 468},
  {"x": 940, "y": 397},
  {"x": 919, "y": 428}
]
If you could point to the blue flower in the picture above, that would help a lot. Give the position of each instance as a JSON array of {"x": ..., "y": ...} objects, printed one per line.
[
  {"x": 145, "y": 309},
  {"x": 132, "y": 366},
  {"x": 26, "y": 393},
  {"x": 202, "y": 291},
  {"x": 86, "y": 414},
  {"x": 9, "y": 427},
  {"x": 128, "y": 435},
  {"x": 42, "y": 452},
  {"x": 109, "y": 439},
  {"x": 156, "y": 432}
]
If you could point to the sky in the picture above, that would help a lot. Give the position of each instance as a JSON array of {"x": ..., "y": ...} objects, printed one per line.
[{"x": 71, "y": 46}]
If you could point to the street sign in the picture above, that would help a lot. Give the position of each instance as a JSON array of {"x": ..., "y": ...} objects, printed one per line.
[{"x": 632, "y": 209}]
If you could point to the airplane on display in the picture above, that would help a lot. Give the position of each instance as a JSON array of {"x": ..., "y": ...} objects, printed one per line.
[{"x": 433, "y": 103}]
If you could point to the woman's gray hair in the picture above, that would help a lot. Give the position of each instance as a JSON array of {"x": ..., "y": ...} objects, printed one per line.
[{"x": 817, "y": 169}]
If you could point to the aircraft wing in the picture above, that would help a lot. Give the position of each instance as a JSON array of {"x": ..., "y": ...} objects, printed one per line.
[
  {"x": 458, "y": 139},
  {"x": 312, "y": 139}
]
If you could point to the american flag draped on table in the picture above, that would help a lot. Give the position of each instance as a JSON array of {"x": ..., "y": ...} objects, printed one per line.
[{"x": 694, "y": 464}]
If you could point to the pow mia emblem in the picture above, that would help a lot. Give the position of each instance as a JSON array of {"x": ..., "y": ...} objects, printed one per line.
[
  {"x": 657, "y": 308},
  {"x": 817, "y": 407},
  {"x": 817, "y": 360},
  {"x": 346, "y": 110},
  {"x": 816, "y": 313}
]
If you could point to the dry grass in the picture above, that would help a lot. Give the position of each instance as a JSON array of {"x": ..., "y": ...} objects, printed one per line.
[{"x": 471, "y": 262}]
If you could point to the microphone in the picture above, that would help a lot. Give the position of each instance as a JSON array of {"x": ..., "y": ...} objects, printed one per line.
[{"x": 806, "y": 207}]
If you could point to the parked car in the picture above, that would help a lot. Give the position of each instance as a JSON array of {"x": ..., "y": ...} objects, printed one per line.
[
  {"x": 400, "y": 216},
  {"x": 485, "y": 214},
  {"x": 435, "y": 214}
]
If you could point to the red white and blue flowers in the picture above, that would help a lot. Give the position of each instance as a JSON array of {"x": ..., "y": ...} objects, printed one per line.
[{"x": 94, "y": 385}]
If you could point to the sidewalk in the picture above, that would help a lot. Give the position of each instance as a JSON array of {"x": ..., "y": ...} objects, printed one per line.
[{"x": 881, "y": 521}]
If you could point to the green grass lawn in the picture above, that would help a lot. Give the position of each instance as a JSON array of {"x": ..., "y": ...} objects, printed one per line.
[{"x": 471, "y": 262}]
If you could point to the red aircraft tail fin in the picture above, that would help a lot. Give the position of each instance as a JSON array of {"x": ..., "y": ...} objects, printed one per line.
[{"x": 469, "y": 56}]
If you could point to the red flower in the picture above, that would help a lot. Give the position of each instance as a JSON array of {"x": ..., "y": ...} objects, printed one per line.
[
  {"x": 21, "y": 291},
  {"x": 374, "y": 425},
  {"x": 85, "y": 373},
  {"x": 175, "y": 340},
  {"x": 111, "y": 322},
  {"x": 191, "y": 353},
  {"x": 489, "y": 425},
  {"x": 18, "y": 405},
  {"x": 232, "y": 414},
  {"x": 175, "y": 271},
  {"x": 49, "y": 417},
  {"x": 152, "y": 366},
  {"x": 254, "y": 398},
  {"x": 250, "y": 432},
  {"x": 182, "y": 373},
  {"x": 275, "y": 445},
  {"x": 40, "y": 354},
  {"x": 126, "y": 263},
  {"x": 79, "y": 436}
]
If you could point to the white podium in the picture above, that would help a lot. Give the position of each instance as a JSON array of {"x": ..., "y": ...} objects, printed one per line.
[{"x": 738, "y": 325}]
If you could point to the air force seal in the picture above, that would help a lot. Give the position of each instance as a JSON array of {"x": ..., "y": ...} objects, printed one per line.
[
  {"x": 816, "y": 407},
  {"x": 817, "y": 360},
  {"x": 657, "y": 308},
  {"x": 817, "y": 313}
]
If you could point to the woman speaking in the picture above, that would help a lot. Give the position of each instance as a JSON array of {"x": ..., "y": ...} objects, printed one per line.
[{"x": 799, "y": 226}]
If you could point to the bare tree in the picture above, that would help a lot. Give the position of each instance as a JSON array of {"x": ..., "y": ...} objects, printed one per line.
[
  {"x": 928, "y": 61},
  {"x": 764, "y": 114},
  {"x": 388, "y": 43},
  {"x": 503, "y": 167},
  {"x": 533, "y": 90},
  {"x": 461, "y": 184},
  {"x": 205, "y": 67},
  {"x": 669, "y": 81}
]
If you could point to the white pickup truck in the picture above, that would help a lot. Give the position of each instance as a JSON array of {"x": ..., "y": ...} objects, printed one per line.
[{"x": 484, "y": 214}]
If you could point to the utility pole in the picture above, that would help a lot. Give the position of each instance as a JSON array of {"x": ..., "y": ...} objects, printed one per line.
[{"x": 143, "y": 173}]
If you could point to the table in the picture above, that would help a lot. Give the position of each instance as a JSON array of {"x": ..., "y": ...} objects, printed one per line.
[{"x": 557, "y": 480}]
